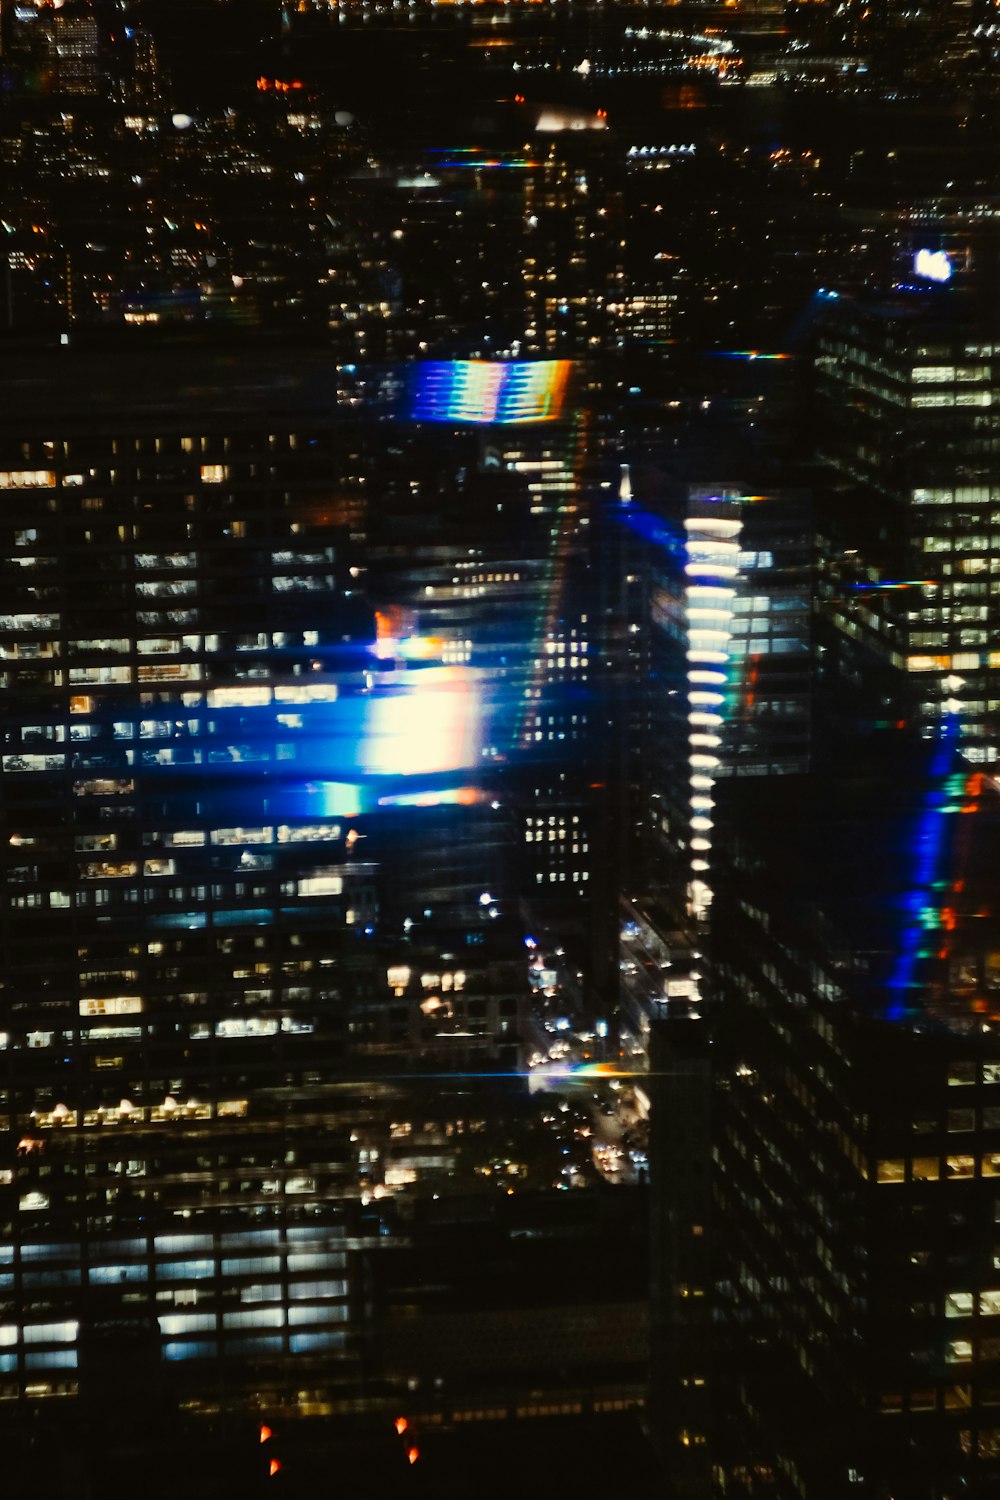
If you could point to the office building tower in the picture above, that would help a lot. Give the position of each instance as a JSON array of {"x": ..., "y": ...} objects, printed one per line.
[
  {"x": 853, "y": 980},
  {"x": 142, "y": 82},
  {"x": 205, "y": 761},
  {"x": 719, "y": 633},
  {"x": 728, "y": 637},
  {"x": 846, "y": 974},
  {"x": 75, "y": 50}
]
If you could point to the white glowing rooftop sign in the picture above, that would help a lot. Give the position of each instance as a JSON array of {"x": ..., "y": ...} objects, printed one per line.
[{"x": 932, "y": 265}]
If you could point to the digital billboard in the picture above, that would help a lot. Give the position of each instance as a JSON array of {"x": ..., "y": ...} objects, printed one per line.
[{"x": 489, "y": 391}]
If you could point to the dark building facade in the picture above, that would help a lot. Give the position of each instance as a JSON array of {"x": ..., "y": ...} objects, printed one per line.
[{"x": 857, "y": 1061}]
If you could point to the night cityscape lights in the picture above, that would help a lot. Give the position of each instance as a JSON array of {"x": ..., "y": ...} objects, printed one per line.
[{"x": 499, "y": 741}]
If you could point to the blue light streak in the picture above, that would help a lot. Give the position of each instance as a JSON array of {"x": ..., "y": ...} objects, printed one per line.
[{"x": 928, "y": 847}]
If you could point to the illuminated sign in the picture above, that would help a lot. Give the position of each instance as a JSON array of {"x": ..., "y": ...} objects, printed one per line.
[
  {"x": 932, "y": 265},
  {"x": 474, "y": 390}
]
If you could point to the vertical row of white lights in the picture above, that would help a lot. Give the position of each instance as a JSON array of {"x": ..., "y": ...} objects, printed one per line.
[{"x": 711, "y": 571}]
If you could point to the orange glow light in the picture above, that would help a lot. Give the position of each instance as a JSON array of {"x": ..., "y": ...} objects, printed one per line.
[
  {"x": 412, "y": 1454},
  {"x": 265, "y": 1432},
  {"x": 401, "y": 1425},
  {"x": 274, "y": 1467}
]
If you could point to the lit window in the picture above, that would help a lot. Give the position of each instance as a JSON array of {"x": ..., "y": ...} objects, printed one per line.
[
  {"x": 117, "y": 1005},
  {"x": 27, "y": 479},
  {"x": 50, "y": 1333},
  {"x": 321, "y": 885},
  {"x": 239, "y": 697}
]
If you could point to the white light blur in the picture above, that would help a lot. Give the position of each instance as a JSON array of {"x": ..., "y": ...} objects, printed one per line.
[
  {"x": 933, "y": 265},
  {"x": 428, "y": 721},
  {"x": 710, "y": 570}
]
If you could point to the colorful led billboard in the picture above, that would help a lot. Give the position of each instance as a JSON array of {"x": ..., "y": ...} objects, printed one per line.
[{"x": 489, "y": 391}]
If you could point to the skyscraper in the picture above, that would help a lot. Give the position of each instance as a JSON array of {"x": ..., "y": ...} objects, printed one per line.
[
  {"x": 850, "y": 975},
  {"x": 907, "y": 386},
  {"x": 200, "y": 987},
  {"x": 855, "y": 1130}
]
